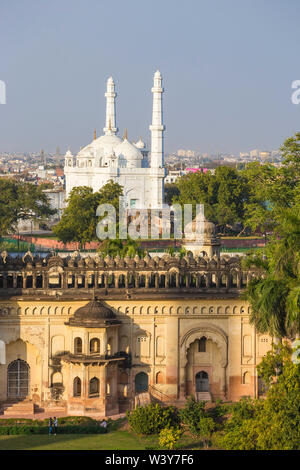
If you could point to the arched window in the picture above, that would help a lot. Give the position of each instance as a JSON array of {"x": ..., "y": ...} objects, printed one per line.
[
  {"x": 95, "y": 346},
  {"x": 94, "y": 387},
  {"x": 18, "y": 379},
  {"x": 142, "y": 281},
  {"x": 77, "y": 387},
  {"x": 173, "y": 280},
  {"x": 202, "y": 344},
  {"x": 162, "y": 281},
  {"x": 121, "y": 281},
  {"x": 77, "y": 346}
]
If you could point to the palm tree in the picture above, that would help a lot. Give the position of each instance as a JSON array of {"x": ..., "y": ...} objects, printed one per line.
[{"x": 274, "y": 295}]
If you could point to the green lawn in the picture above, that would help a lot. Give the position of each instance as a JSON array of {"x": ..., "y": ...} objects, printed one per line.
[{"x": 116, "y": 440}]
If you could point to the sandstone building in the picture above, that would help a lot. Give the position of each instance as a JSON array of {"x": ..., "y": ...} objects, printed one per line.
[{"x": 89, "y": 334}]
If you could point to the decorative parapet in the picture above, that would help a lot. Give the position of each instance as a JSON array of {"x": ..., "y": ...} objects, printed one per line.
[{"x": 28, "y": 273}]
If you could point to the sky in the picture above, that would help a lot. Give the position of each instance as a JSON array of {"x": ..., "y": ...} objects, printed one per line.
[{"x": 227, "y": 68}]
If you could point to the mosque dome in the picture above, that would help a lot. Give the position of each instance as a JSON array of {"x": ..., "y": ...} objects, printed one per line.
[
  {"x": 140, "y": 144},
  {"x": 128, "y": 151}
]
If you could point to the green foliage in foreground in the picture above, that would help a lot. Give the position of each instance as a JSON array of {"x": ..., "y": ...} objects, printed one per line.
[
  {"x": 66, "y": 425},
  {"x": 273, "y": 423},
  {"x": 151, "y": 419},
  {"x": 71, "y": 429}
]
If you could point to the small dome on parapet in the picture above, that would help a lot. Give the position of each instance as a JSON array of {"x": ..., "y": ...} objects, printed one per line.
[
  {"x": 55, "y": 260},
  {"x": 28, "y": 258},
  {"x": 94, "y": 314}
]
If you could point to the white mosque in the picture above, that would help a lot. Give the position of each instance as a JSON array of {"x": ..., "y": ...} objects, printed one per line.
[{"x": 110, "y": 158}]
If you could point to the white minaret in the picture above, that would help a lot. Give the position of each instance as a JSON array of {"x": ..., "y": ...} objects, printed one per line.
[
  {"x": 157, "y": 128},
  {"x": 110, "y": 95}
]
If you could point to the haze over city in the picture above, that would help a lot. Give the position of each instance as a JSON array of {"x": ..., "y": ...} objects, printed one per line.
[{"x": 227, "y": 71}]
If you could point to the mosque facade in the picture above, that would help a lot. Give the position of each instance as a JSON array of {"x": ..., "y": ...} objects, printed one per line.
[{"x": 139, "y": 171}]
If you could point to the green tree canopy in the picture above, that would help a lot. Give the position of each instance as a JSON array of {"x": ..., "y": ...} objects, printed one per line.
[
  {"x": 21, "y": 201},
  {"x": 78, "y": 222}
]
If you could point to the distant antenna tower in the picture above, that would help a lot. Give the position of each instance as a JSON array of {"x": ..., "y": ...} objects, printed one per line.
[{"x": 57, "y": 152}]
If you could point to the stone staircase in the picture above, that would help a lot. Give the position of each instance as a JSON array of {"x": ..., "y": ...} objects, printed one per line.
[{"x": 18, "y": 408}]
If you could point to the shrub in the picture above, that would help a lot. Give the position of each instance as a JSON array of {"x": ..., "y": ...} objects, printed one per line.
[
  {"x": 168, "y": 437},
  {"x": 205, "y": 428},
  {"x": 67, "y": 425},
  {"x": 151, "y": 419},
  {"x": 191, "y": 414}
]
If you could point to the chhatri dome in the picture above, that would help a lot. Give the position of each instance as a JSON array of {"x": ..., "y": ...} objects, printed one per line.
[{"x": 139, "y": 171}]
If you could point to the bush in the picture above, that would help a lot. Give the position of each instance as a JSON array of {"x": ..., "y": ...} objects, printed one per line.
[
  {"x": 191, "y": 414},
  {"x": 198, "y": 421},
  {"x": 151, "y": 419},
  {"x": 168, "y": 437},
  {"x": 66, "y": 425}
]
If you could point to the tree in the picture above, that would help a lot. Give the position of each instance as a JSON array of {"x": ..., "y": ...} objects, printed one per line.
[
  {"x": 171, "y": 190},
  {"x": 199, "y": 423},
  {"x": 120, "y": 247},
  {"x": 223, "y": 194},
  {"x": 274, "y": 294},
  {"x": 20, "y": 201},
  {"x": 272, "y": 423},
  {"x": 78, "y": 222}
]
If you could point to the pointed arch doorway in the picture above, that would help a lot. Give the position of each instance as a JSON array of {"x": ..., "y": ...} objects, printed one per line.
[{"x": 18, "y": 379}]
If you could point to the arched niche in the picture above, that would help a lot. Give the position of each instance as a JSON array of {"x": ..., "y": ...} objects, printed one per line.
[{"x": 210, "y": 332}]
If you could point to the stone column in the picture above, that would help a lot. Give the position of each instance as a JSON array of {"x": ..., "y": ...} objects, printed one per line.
[
  {"x": 171, "y": 348},
  {"x": 103, "y": 382}
]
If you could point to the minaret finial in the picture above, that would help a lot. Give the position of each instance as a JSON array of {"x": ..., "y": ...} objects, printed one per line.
[
  {"x": 125, "y": 136},
  {"x": 95, "y": 134}
]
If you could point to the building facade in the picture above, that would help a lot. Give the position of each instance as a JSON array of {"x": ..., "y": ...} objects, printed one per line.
[
  {"x": 111, "y": 158},
  {"x": 89, "y": 335}
]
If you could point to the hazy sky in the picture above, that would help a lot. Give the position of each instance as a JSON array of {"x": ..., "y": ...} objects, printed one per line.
[{"x": 227, "y": 69}]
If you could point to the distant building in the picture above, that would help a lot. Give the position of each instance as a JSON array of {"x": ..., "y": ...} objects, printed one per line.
[{"x": 110, "y": 158}]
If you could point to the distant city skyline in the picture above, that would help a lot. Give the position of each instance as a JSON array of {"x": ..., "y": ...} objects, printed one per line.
[{"x": 227, "y": 69}]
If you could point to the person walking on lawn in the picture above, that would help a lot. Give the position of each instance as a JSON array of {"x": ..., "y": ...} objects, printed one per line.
[
  {"x": 50, "y": 425},
  {"x": 55, "y": 423}
]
